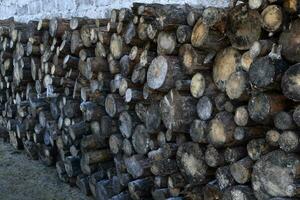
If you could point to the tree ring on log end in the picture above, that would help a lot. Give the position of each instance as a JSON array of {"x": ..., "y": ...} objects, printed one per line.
[{"x": 157, "y": 72}]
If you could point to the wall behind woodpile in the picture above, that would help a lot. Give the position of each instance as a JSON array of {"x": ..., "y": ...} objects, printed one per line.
[{"x": 25, "y": 10}]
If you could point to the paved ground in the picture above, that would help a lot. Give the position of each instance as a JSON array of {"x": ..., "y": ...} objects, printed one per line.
[{"x": 24, "y": 179}]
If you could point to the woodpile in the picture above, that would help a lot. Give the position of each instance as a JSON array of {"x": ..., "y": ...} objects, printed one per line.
[{"x": 160, "y": 101}]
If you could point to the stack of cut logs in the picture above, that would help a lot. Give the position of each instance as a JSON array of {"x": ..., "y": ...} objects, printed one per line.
[{"x": 160, "y": 101}]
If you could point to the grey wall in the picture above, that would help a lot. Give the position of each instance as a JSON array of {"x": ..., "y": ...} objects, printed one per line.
[{"x": 24, "y": 10}]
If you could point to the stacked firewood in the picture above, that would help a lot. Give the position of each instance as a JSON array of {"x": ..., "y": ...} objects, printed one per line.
[{"x": 160, "y": 101}]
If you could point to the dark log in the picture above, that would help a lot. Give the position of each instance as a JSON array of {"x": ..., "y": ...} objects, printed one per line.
[
  {"x": 57, "y": 27},
  {"x": 141, "y": 139},
  {"x": 224, "y": 177},
  {"x": 160, "y": 194},
  {"x": 234, "y": 154},
  {"x": 243, "y": 134},
  {"x": 284, "y": 121},
  {"x": 90, "y": 142},
  {"x": 290, "y": 83},
  {"x": 205, "y": 108},
  {"x": 76, "y": 22},
  {"x": 262, "y": 107},
  {"x": 296, "y": 116},
  {"x": 31, "y": 149},
  {"x": 243, "y": 27},
  {"x": 212, "y": 191},
  {"x": 289, "y": 141},
  {"x": 177, "y": 111},
  {"x": 137, "y": 166},
  {"x": 213, "y": 157},
  {"x": 127, "y": 121},
  {"x": 183, "y": 34},
  {"x": 198, "y": 131},
  {"x": 239, "y": 190},
  {"x": 115, "y": 143},
  {"x": 91, "y": 111},
  {"x": 72, "y": 166},
  {"x": 140, "y": 188},
  {"x": 191, "y": 162},
  {"x": 97, "y": 156},
  {"x": 241, "y": 170},
  {"x": 114, "y": 105},
  {"x": 76, "y": 42},
  {"x": 78, "y": 130},
  {"x": 265, "y": 180},
  {"x": 257, "y": 148},
  {"x": 127, "y": 147},
  {"x": 164, "y": 167},
  {"x": 193, "y": 60},
  {"x": 194, "y": 15}
]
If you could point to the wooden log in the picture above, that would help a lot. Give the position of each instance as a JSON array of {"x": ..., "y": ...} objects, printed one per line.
[
  {"x": 244, "y": 27},
  {"x": 177, "y": 111},
  {"x": 241, "y": 170},
  {"x": 241, "y": 190},
  {"x": 163, "y": 72},
  {"x": 265, "y": 180},
  {"x": 78, "y": 130},
  {"x": 288, "y": 40},
  {"x": 226, "y": 63},
  {"x": 194, "y": 15},
  {"x": 114, "y": 104},
  {"x": 262, "y": 107},
  {"x": 296, "y": 116},
  {"x": 193, "y": 60},
  {"x": 202, "y": 84},
  {"x": 272, "y": 18},
  {"x": 241, "y": 116},
  {"x": 117, "y": 46},
  {"x": 183, "y": 34},
  {"x": 257, "y": 148},
  {"x": 221, "y": 130},
  {"x": 212, "y": 191},
  {"x": 205, "y": 38},
  {"x": 237, "y": 86},
  {"x": 224, "y": 177},
  {"x": 243, "y": 134},
  {"x": 289, "y": 141},
  {"x": 205, "y": 108},
  {"x": 198, "y": 131},
  {"x": 72, "y": 166},
  {"x": 272, "y": 138},
  {"x": 284, "y": 121},
  {"x": 140, "y": 188},
  {"x": 57, "y": 27},
  {"x": 141, "y": 139},
  {"x": 166, "y": 43},
  {"x": 191, "y": 162},
  {"x": 164, "y": 167},
  {"x": 213, "y": 157},
  {"x": 234, "y": 154},
  {"x": 290, "y": 83}
]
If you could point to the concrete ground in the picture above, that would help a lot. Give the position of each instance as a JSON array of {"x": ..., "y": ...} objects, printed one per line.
[{"x": 25, "y": 179}]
